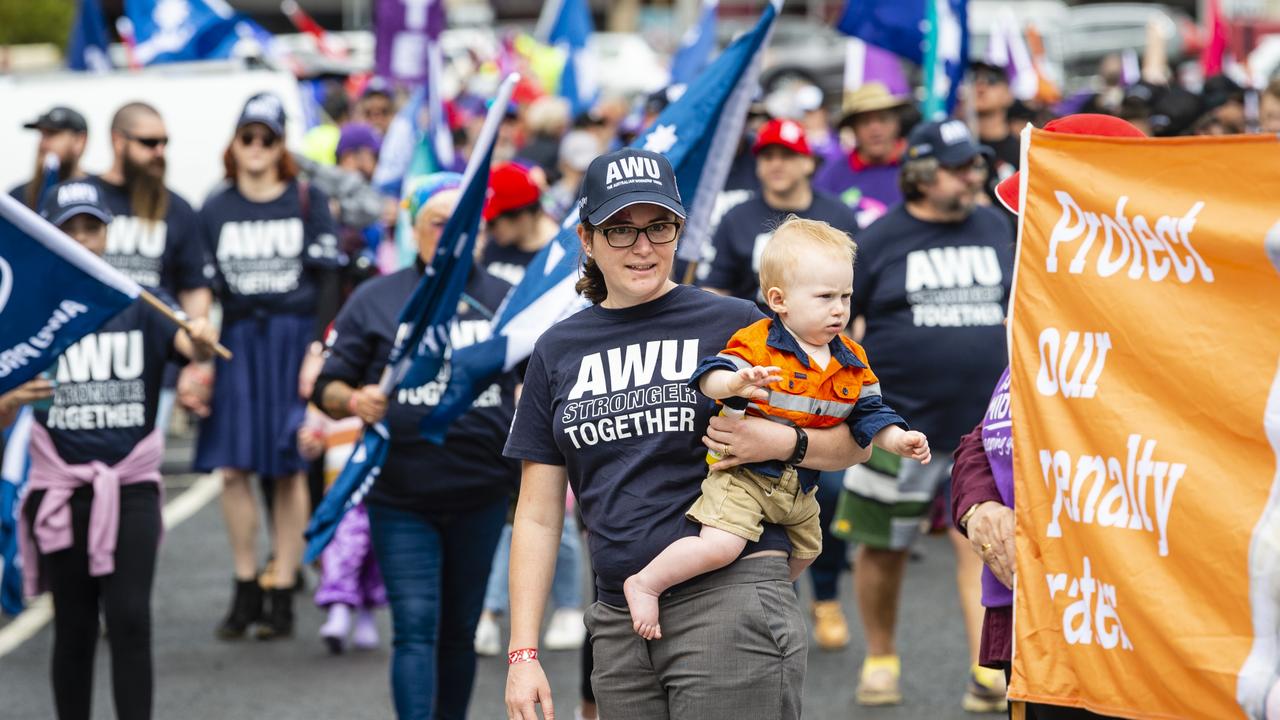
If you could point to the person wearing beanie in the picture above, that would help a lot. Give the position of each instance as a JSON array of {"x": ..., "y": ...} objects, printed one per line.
[{"x": 436, "y": 511}]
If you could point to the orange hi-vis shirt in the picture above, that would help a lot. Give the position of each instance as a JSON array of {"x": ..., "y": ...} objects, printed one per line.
[{"x": 846, "y": 391}]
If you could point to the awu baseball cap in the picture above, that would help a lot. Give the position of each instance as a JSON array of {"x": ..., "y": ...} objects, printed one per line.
[
  {"x": 71, "y": 198},
  {"x": 266, "y": 109},
  {"x": 628, "y": 177}
]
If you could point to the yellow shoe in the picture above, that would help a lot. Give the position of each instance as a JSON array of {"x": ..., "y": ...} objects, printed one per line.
[
  {"x": 986, "y": 692},
  {"x": 830, "y": 629},
  {"x": 879, "y": 682}
]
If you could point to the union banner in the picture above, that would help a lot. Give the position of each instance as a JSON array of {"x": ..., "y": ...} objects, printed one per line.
[{"x": 1145, "y": 367}]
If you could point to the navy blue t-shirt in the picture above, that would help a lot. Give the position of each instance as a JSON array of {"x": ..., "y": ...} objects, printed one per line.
[
  {"x": 934, "y": 298},
  {"x": 605, "y": 395},
  {"x": 169, "y": 253},
  {"x": 108, "y": 386},
  {"x": 744, "y": 231},
  {"x": 469, "y": 469},
  {"x": 266, "y": 253},
  {"x": 506, "y": 262}
]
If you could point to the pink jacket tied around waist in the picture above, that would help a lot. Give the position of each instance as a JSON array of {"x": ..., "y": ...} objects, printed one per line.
[{"x": 52, "y": 531}]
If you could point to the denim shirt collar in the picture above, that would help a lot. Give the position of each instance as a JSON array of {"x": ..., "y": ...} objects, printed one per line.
[{"x": 781, "y": 339}]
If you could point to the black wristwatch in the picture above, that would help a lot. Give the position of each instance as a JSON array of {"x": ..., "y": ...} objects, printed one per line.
[{"x": 802, "y": 447}]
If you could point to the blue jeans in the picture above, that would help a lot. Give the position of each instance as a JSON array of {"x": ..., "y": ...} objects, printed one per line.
[
  {"x": 566, "y": 587},
  {"x": 434, "y": 568},
  {"x": 825, "y": 570}
]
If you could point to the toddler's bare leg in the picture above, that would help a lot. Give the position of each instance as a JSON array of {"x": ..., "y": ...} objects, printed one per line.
[{"x": 683, "y": 559}]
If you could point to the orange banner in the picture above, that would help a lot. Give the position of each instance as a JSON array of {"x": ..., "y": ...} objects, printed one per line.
[{"x": 1145, "y": 367}]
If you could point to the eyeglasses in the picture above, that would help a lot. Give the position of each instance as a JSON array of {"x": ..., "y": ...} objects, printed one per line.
[
  {"x": 977, "y": 164},
  {"x": 267, "y": 140},
  {"x": 624, "y": 236},
  {"x": 148, "y": 142}
]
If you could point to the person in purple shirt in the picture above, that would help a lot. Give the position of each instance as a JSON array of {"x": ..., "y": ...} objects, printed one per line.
[{"x": 866, "y": 179}]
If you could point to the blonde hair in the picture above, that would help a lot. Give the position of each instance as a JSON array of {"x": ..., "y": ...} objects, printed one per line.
[{"x": 798, "y": 238}]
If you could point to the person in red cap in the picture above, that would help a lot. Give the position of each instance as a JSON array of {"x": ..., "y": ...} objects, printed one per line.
[
  {"x": 982, "y": 480},
  {"x": 785, "y": 166},
  {"x": 517, "y": 227}
]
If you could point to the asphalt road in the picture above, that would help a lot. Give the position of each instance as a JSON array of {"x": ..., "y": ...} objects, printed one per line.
[{"x": 198, "y": 677}]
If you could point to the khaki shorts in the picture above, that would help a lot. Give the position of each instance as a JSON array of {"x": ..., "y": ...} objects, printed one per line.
[{"x": 739, "y": 501}]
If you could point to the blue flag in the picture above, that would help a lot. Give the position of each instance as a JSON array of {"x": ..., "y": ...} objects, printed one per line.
[
  {"x": 933, "y": 34},
  {"x": 13, "y": 479},
  {"x": 695, "y": 47},
  {"x": 566, "y": 24},
  {"x": 698, "y": 133},
  {"x": 87, "y": 48},
  {"x": 422, "y": 341},
  {"x": 38, "y": 318},
  {"x": 180, "y": 30}
]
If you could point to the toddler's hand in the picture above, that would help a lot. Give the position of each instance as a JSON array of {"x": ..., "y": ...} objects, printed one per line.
[
  {"x": 751, "y": 383},
  {"x": 914, "y": 445}
]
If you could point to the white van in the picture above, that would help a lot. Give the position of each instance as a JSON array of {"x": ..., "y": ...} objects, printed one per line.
[{"x": 200, "y": 103}]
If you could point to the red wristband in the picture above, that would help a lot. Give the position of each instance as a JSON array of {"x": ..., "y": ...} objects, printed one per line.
[
  {"x": 351, "y": 403},
  {"x": 522, "y": 656}
]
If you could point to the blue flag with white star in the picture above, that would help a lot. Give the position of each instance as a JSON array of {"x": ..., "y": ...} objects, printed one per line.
[
  {"x": 180, "y": 30},
  {"x": 933, "y": 34},
  {"x": 698, "y": 133},
  {"x": 422, "y": 341}
]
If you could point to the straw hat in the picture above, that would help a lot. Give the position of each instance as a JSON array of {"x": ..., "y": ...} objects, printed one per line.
[{"x": 869, "y": 97}]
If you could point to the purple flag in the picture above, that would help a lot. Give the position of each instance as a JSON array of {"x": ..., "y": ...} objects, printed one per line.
[
  {"x": 402, "y": 31},
  {"x": 866, "y": 63}
]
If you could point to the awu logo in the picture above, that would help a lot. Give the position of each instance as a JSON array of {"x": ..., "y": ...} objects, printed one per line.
[
  {"x": 632, "y": 167},
  {"x": 1063, "y": 371},
  {"x": 102, "y": 356},
  {"x": 255, "y": 239},
  {"x": 634, "y": 366},
  {"x": 953, "y": 267},
  {"x": 72, "y": 193},
  {"x": 6, "y": 283},
  {"x": 128, "y": 235}
]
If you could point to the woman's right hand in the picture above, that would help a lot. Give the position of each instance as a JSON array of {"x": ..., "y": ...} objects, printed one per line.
[
  {"x": 990, "y": 531},
  {"x": 369, "y": 404},
  {"x": 527, "y": 686}
]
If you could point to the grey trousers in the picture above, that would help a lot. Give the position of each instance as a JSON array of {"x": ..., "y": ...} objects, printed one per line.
[{"x": 734, "y": 647}]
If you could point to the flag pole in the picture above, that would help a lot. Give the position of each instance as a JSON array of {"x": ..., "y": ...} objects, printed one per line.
[
  {"x": 178, "y": 320},
  {"x": 488, "y": 134}
]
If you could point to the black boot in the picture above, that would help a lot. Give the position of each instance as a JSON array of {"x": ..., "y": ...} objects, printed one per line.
[
  {"x": 278, "y": 621},
  {"x": 246, "y": 609}
]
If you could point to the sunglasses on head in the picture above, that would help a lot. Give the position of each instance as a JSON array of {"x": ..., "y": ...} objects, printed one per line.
[
  {"x": 249, "y": 137},
  {"x": 148, "y": 142}
]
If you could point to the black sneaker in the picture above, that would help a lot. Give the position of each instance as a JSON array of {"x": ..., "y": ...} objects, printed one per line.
[{"x": 246, "y": 609}]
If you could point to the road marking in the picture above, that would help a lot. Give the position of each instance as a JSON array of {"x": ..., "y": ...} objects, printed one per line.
[{"x": 40, "y": 611}]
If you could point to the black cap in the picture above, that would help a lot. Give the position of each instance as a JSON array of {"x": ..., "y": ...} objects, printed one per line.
[
  {"x": 74, "y": 197},
  {"x": 981, "y": 66},
  {"x": 628, "y": 177},
  {"x": 59, "y": 118},
  {"x": 266, "y": 109},
  {"x": 949, "y": 142}
]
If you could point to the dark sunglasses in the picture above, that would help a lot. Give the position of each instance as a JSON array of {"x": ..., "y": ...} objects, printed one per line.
[
  {"x": 267, "y": 140},
  {"x": 148, "y": 142}
]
